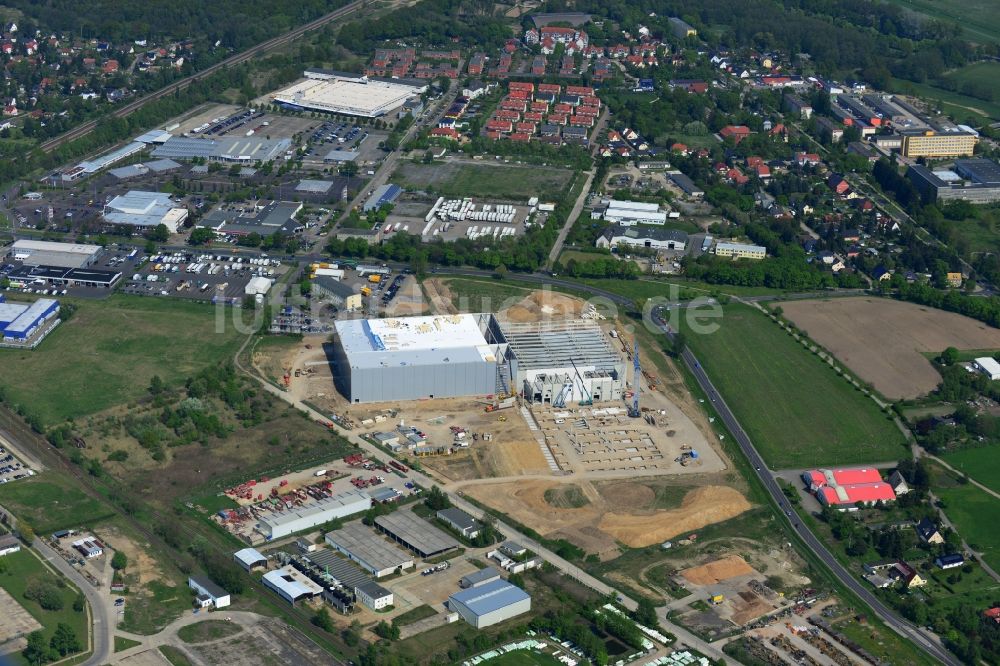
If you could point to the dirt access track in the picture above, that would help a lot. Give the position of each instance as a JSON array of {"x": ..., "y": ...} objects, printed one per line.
[
  {"x": 617, "y": 512},
  {"x": 882, "y": 340}
]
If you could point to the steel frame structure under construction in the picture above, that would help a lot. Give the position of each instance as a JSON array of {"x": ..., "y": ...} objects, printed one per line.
[{"x": 563, "y": 361}]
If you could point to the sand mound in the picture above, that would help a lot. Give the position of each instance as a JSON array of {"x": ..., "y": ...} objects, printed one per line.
[
  {"x": 702, "y": 506},
  {"x": 542, "y": 305},
  {"x": 628, "y": 496},
  {"x": 718, "y": 571}
]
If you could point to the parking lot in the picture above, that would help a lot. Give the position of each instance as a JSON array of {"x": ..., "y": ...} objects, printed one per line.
[
  {"x": 199, "y": 276},
  {"x": 332, "y": 135},
  {"x": 11, "y": 468}
]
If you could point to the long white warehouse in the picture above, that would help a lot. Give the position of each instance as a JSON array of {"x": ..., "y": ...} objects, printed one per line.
[{"x": 282, "y": 523}]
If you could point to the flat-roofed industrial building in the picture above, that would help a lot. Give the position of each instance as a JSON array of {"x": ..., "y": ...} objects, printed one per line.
[
  {"x": 415, "y": 533},
  {"x": 282, "y": 523},
  {"x": 346, "y": 94},
  {"x": 49, "y": 253},
  {"x": 410, "y": 358},
  {"x": 973, "y": 180},
  {"x": 490, "y": 603},
  {"x": 374, "y": 554}
]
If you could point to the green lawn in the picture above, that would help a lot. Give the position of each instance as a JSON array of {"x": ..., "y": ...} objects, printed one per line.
[
  {"x": 208, "y": 630},
  {"x": 972, "y": 511},
  {"x": 486, "y": 295},
  {"x": 795, "y": 408},
  {"x": 414, "y": 615},
  {"x": 959, "y": 106},
  {"x": 109, "y": 350},
  {"x": 122, "y": 643},
  {"x": 49, "y": 504},
  {"x": 486, "y": 179},
  {"x": 978, "y": 18},
  {"x": 21, "y": 569},
  {"x": 982, "y": 464},
  {"x": 174, "y": 655},
  {"x": 151, "y": 610}
]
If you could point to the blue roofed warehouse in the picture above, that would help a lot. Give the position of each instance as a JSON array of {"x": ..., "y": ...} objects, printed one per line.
[{"x": 489, "y": 604}]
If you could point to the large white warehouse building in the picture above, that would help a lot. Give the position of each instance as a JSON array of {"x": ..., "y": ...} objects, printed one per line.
[
  {"x": 410, "y": 358},
  {"x": 282, "y": 523},
  {"x": 628, "y": 213},
  {"x": 346, "y": 94}
]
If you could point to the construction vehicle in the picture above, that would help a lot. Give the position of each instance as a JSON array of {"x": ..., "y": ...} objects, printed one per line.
[
  {"x": 633, "y": 410},
  {"x": 588, "y": 400},
  {"x": 506, "y": 403},
  {"x": 366, "y": 291},
  {"x": 375, "y": 278},
  {"x": 559, "y": 401}
]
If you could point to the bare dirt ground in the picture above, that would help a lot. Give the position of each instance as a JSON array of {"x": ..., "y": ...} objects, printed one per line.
[
  {"x": 270, "y": 642},
  {"x": 440, "y": 297},
  {"x": 702, "y": 506},
  {"x": 15, "y": 621},
  {"x": 541, "y": 305},
  {"x": 409, "y": 300},
  {"x": 881, "y": 340},
  {"x": 717, "y": 571},
  {"x": 141, "y": 567},
  {"x": 614, "y": 512},
  {"x": 513, "y": 450}
]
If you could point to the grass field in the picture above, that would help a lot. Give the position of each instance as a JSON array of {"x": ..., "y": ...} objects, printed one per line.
[
  {"x": 982, "y": 464},
  {"x": 485, "y": 179},
  {"x": 972, "y": 511},
  {"x": 472, "y": 295},
  {"x": 978, "y": 18},
  {"x": 21, "y": 569},
  {"x": 798, "y": 411},
  {"x": 648, "y": 288},
  {"x": 109, "y": 350},
  {"x": 50, "y": 504},
  {"x": 959, "y": 106},
  {"x": 208, "y": 630},
  {"x": 414, "y": 615}
]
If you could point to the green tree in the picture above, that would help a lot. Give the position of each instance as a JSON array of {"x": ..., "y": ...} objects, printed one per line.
[
  {"x": 37, "y": 650},
  {"x": 323, "y": 620},
  {"x": 160, "y": 233},
  {"x": 64, "y": 640},
  {"x": 79, "y": 603},
  {"x": 437, "y": 499},
  {"x": 645, "y": 613},
  {"x": 385, "y": 630},
  {"x": 949, "y": 356},
  {"x": 119, "y": 560},
  {"x": 201, "y": 236}
]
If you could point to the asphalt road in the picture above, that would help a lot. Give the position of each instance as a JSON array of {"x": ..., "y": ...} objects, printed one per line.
[
  {"x": 925, "y": 641},
  {"x": 100, "y": 604}
]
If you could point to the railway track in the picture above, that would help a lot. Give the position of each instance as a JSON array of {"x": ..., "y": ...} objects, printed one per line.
[{"x": 239, "y": 58}]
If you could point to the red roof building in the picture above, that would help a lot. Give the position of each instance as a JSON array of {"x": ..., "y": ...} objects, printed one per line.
[
  {"x": 499, "y": 126},
  {"x": 517, "y": 85},
  {"x": 738, "y": 132},
  {"x": 444, "y": 133},
  {"x": 549, "y": 87},
  {"x": 993, "y": 614},
  {"x": 520, "y": 136},
  {"x": 557, "y": 118},
  {"x": 848, "y": 486},
  {"x": 534, "y": 116},
  {"x": 583, "y": 91}
]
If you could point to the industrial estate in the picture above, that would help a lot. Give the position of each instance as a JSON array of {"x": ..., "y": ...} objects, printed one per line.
[{"x": 438, "y": 333}]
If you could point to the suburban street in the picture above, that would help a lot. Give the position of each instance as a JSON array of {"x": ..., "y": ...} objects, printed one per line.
[{"x": 100, "y": 600}]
